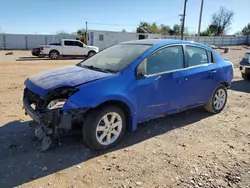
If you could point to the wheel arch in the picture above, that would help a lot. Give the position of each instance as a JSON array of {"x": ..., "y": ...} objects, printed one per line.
[
  {"x": 226, "y": 84},
  {"x": 54, "y": 50},
  {"x": 92, "y": 51}
]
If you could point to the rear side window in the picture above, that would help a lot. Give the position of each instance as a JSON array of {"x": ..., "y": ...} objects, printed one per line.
[
  {"x": 196, "y": 56},
  {"x": 69, "y": 43},
  {"x": 166, "y": 59}
]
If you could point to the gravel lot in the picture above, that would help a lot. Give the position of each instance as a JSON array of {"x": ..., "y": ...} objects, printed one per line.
[{"x": 190, "y": 149}]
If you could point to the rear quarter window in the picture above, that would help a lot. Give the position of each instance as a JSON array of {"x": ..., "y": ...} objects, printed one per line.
[{"x": 210, "y": 57}]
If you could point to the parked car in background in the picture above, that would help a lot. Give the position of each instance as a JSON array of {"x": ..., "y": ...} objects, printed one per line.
[
  {"x": 124, "y": 85},
  {"x": 245, "y": 66},
  {"x": 69, "y": 47}
]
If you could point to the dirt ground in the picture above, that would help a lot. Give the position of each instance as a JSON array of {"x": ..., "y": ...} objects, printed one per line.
[{"x": 190, "y": 149}]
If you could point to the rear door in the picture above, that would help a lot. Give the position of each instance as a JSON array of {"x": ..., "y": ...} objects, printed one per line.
[
  {"x": 200, "y": 76},
  {"x": 69, "y": 48}
]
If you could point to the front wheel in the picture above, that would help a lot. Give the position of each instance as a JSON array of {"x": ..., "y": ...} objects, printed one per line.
[
  {"x": 91, "y": 53},
  {"x": 218, "y": 101},
  {"x": 104, "y": 127}
]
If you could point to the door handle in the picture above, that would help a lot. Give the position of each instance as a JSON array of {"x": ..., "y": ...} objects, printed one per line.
[
  {"x": 181, "y": 81},
  {"x": 213, "y": 71},
  {"x": 158, "y": 78}
]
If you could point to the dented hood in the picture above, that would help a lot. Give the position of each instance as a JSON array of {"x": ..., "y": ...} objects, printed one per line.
[{"x": 66, "y": 76}]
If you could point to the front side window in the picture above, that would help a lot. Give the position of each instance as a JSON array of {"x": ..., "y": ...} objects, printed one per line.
[
  {"x": 166, "y": 59},
  {"x": 115, "y": 58},
  {"x": 78, "y": 44},
  {"x": 196, "y": 56}
]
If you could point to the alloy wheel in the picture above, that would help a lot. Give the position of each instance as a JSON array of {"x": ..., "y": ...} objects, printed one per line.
[
  {"x": 219, "y": 99},
  {"x": 109, "y": 128}
]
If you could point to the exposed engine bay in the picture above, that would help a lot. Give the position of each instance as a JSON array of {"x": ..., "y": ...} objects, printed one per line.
[{"x": 49, "y": 117}]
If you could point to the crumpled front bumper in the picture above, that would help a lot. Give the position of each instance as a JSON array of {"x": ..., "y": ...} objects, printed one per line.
[
  {"x": 56, "y": 117},
  {"x": 38, "y": 118},
  {"x": 59, "y": 118}
]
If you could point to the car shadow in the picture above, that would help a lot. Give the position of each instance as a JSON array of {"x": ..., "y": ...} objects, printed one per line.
[
  {"x": 46, "y": 58},
  {"x": 22, "y": 162},
  {"x": 241, "y": 86}
]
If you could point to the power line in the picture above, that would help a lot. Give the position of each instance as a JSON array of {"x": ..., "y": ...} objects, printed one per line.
[
  {"x": 110, "y": 24},
  {"x": 115, "y": 24}
]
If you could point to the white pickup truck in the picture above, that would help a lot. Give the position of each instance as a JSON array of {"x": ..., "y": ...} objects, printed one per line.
[{"x": 68, "y": 47}]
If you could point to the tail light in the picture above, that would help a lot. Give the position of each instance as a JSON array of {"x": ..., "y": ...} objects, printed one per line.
[{"x": 41, "y": 48}]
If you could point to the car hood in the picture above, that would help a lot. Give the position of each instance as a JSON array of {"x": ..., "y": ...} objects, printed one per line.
[{"x": 66, "y": 76}]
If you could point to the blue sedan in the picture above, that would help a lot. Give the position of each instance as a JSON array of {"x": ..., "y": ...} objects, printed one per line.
[{"x": 124, "y": 85}]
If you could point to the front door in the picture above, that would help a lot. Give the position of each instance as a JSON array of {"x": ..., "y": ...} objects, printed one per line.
[
  {"x": 159, "y": 92},
  {"x": 81, "y": 50}
]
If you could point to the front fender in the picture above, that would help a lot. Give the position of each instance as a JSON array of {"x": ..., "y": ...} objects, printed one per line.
[{"x": 78, "y": 101}]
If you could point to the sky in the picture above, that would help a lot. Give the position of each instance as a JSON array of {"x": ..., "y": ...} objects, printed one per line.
[{"x": 52, "y": 16}]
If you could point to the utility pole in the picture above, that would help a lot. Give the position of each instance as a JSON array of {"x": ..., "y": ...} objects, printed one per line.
[
  {"x": 86, "y": 33},
  {"x": 199, "y": 28},
  {"x": 183, "y": 19}
]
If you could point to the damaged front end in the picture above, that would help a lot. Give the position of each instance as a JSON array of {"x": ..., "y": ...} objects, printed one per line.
[{"x": 48, "y": 114}]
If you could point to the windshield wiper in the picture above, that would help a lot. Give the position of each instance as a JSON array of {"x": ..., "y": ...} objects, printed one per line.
[{"x": 98, "y": 69}]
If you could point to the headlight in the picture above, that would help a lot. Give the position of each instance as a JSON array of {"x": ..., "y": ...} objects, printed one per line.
[{"x": 58, "y": 103}]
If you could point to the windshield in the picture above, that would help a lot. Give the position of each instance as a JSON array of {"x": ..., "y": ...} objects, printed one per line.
[{"x": 115, "y": 58}]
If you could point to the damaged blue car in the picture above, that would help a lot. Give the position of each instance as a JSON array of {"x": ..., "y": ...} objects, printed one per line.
[{"x": 124, "y": 85}]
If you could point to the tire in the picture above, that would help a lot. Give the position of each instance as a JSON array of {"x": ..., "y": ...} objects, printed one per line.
[
  {"x": 98, "y": 140},
  {"x": 91, "y": 53},
  {"x": 54, "y": 54},
  {"x": 245, "y": 76},
  {"x": 219, "y": 95}
]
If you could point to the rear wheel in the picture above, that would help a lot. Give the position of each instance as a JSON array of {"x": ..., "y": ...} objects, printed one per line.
[
  {"x": 54, "y": 54},
  {"x": 104, "y": 127},
  {"x": 218, "y": 101},
  {"x": 245, "y": 76}
]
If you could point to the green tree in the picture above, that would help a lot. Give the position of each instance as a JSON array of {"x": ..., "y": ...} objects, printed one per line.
[
  {"x": 141, "y": 26},
  {"x": 124, "y": 31},
  {"x": 81, "y": 32},
  {"x": 207, "y": 32},
  {"x": 177, "y": 29},
  {"x": 246, "y": 30},
  {"x": 164, "y": 29}
]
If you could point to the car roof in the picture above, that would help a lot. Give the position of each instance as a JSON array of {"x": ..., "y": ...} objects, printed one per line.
[{"x": 163, "y": 42}]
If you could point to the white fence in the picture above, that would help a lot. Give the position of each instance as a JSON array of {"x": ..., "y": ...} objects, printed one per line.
[{"x": 25, "y": 42}]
